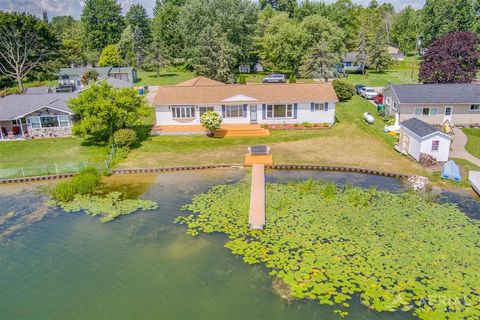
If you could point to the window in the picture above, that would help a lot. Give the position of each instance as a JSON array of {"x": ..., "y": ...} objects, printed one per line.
[
  {"x": 16, "y": 121},
  {"x": 435, "y": 145},
  {"x": 279, "y": 111},
  {"x": 395, "y": 106},
  {"x": 183, "y": 112},
  {"x": 426, "y": 111},
  {"x": 49, "y": 121},
  {"x": 448, "y": 111},
  {"x": 35, "y": 122},
  {"x": 475, "y": 107},
  {"x": 234, "y": 111},
  {"x": 202, "y": 110},
  {"x": 388, "y": 101},
  {"x": 64, "y": 121},
  {"x": 319, "y": 107}
]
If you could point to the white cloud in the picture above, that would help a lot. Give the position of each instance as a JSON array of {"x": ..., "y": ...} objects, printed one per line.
[{"x": 74, "y": 7}]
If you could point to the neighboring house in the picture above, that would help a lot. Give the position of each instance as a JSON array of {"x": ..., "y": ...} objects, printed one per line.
[
  {"x": 258, "y": 67},
  {"x": 244, "y": 68},
  {"x": 348, "y": 63},
  {"x": 434, "y": 103},
  {"x": 72, "y": 76},
  {"x": 395, "y": 53},
  {"x": 417, "y": 137},
  {"x": 184, "y": 103},
  {"x": 35, "y": 115}
]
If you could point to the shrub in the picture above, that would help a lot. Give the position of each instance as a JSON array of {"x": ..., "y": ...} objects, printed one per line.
[
  {"x": 344, "y": 90},
  {"x": 242, "y": 79},
  {"x": 307, "y": 124},
  {"x": 211, "y": 121},
  {"x": 125, "y": 138},
  {"x": 292, "y": 78},
  {"x": 85, "y": 182}
]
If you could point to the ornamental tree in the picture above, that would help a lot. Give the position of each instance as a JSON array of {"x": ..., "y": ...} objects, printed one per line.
[
  {"x": 109, "y": 56},
  {"x": 211, "y": 121},
  {"x": 451, "y": 59}
]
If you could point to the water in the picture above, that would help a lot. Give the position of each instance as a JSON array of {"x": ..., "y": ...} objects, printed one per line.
[{"x": 142, "y": 266}]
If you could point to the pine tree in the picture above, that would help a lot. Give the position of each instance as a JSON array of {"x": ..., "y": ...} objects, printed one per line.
[
  {"x": 320, "y": 61},
  {"x": 213, "y": 55},
  {"x": 362, "y": 54},
  {"x": 379, "y": 58},
  {"x": 139, "y": 47},
  {"x": 157, "y": 57}
]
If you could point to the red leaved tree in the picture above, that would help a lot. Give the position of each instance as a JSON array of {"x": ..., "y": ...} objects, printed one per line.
[{"x": 451, "y": 59}]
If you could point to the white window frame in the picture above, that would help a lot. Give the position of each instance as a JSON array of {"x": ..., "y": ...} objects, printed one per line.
[
  {"x": 435, "y": 145},
  {"x": 429, "y": 111},
  {"x": 317, "y": 106},
  {"x": 475, "y": 107},
  {"x": 229, "y": 109},
  {"x": 270, "y": 111},
  {"x": 204, "y": 109},
  {"x": 388, "y": 101},
  {"x": 183, "y": 112}
]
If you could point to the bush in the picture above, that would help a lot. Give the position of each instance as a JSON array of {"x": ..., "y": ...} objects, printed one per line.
[
  {"x": 306, "y": 124},
  {"x": 292, "y": 78},
  {"x": 344, "y": 90},
  {"x": 211, "y": 121},
  {"x": 85, "y": 182},
  {"x": 125, "y": 138},
  {"x": 242, "y": 79}
]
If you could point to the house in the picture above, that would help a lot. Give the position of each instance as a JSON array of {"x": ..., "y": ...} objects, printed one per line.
[
  {"x": 258, "y": 67},
  {"x": 434, "y": 103},
  {"x": 395, "y": 53},
  {"x": 244, "y": 68},
  {"x": 35, "y": 115},
  {"x": 417, "y": 137},
  {"x": 348, "y": 63},
  {"x": 69, "y": 77},
  {"x": 183, "y": 104}
]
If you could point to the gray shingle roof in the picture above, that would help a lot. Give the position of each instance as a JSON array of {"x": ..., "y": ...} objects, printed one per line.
[
  {"x": 420, "y": 128},
  {"x": 349, "y": 57},
  {"x": 76, "y": 72},
  {"x": 437, "y": 93},
  {"x": 119, "y": 84},
  {"x": 37, "y": 90},
  {"x": 17, "y": 105}
]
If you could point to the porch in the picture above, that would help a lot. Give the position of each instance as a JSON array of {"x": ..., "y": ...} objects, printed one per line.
[
  {"x": 35, "y": 126},
  {"x": 226, "y": 130}
]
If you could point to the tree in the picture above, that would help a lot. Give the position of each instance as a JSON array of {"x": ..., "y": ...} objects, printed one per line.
[
  {"x": 157, "y": 57},
  {"x": 211, "y": 121},
  {"x": 137, "y": 17},
  {"x": 343, "y": 89},
  {"x": 125, "y": 49},
  {"x": 74, "y": 49},
  {"x": 103, "y": 23},
  {"x": 362, "y": 54},
  {"x": 213, "y": 57},
  {"x": 320, "y": 29},
  {"x": 288, "y": 6},
  {"x": 27, "y": 44},
  {"x": 320, "y": 61},
  {"x": 102, "y": 110},
  {"x": 451, "y": 59},
  {"x": 139, "y": 46},
  {"x": 109, "y": 56},
  {"x": 166, "y": 28},
  {"x": 379, "y": 58},
  {"x": 405, "y": 29},
  {"x": 89, "y": 76}
]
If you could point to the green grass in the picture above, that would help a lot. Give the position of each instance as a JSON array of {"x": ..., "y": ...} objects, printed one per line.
[
  {"x": 170, "y": 76},
  {"x": 473, "y": 143}
]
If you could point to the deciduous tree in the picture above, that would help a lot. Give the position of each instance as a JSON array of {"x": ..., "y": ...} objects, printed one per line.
[
  {"x": 320, "y": 61},
  {"x": 378, "y": 56},
  {"x": 405, "y": 29},
  {"x": 109, "y": 56}
]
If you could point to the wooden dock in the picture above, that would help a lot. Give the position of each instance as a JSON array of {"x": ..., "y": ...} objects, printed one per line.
[
  {"x": 474, "y": 178},
  {"x": 256, "y": 219}
]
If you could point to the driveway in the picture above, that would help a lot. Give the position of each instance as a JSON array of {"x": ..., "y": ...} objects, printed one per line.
[
  {"x": 458, "y": 147},
  {"x": 152, "y": 91}
]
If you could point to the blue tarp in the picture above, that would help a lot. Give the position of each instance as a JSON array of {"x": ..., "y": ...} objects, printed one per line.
[{"x": 451, "y": 171}]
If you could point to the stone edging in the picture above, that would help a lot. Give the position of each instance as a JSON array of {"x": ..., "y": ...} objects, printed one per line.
[{"x": 167, "y": 169}]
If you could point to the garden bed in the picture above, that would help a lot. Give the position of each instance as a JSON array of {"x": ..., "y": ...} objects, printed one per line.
[{"x": 298, "y": 126}]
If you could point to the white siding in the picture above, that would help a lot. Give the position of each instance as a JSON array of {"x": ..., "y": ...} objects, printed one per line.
[
  {"x": 414, "y": 148},
  {"x": 443, "y": 148}
]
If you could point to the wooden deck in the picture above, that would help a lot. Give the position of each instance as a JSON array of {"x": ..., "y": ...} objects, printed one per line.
[
  {"x": 474, "y": 178},
  {"x": 255, "y": 159},
  {"x": 227, "y": 130},
  {"x": 256, "y": 219}
]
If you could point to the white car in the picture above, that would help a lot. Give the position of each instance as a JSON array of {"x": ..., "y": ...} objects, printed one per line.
[{"x": 368, "y": 93}]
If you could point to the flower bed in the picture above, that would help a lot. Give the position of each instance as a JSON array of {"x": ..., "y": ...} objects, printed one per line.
[{"x": 298, "y": 126}]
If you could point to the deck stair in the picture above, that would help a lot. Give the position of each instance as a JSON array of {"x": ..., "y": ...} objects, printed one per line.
[{"x": 241, "y": 130}]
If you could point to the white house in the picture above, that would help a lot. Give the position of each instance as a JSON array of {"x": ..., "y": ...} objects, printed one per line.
[
  {"x": 418, "y": 137},
  {"x": 183, "y": 104}
]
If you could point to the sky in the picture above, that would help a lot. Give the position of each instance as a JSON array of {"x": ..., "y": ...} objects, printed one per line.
[{"x": 74, "y": 7}]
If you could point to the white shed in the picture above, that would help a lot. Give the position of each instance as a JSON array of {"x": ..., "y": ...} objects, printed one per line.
[{"x": 418, "y": 137}]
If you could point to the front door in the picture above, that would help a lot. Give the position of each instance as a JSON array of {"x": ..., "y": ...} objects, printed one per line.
[
  {"x": 448, "y": 115},
  {"x": 253, "y": 114}
]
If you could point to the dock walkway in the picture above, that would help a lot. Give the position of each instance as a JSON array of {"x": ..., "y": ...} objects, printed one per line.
[{"x": 256, "y": 219}]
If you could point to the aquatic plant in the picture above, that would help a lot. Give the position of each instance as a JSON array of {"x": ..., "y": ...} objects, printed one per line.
[
  {"x": 331, "y": 243},
  {"x": 109, "y": 207},
  {"x": 85, "y": 182}
]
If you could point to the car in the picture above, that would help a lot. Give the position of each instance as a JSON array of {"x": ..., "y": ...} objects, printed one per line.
[
  {"x": 359, "y": 87},
  {"x": 378, "y": 99},
  {"x": 368, "y": 93},
  {"x": 275, "y": 78}
]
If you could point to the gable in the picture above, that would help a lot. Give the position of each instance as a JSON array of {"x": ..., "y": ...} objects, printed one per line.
[{"x": 239, "y": 97}]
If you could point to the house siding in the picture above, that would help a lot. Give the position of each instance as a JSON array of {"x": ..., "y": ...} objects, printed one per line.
[
  {"x": 303, "y": 114},
  {"x": 417, "y": 146}
]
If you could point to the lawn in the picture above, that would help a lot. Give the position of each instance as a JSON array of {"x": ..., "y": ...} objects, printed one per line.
[
  {"x": 351, "y": 142},
  {"x": 473, "y": 143},
  {"x": 169, "y": 76},
  {"x": 40, "y": 156}
]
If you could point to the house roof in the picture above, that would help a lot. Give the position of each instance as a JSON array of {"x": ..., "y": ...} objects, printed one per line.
[
  {"x": 38, "y": 90},
  {"x": 121, "y": 69},
  {"x": 228, "y": 93},
  {"x": 349, "y": 57},
  {"x": 119, "y": 84},
  {"x": 437, "y": 93},
  {"x": 200, "y": 81},
  {"x": 18, "y": 105},
  {"x": 77, "y": 72},
  {"x": 421, "y": 129}
]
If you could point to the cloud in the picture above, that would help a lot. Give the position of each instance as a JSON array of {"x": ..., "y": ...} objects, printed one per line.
[{"x": 74, "y": 7}]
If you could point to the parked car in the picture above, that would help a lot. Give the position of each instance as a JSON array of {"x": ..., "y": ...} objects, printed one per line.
[
  {"x": 378, "y": 99},
  {"x": 368, "y": 93},
  {"x": 359, "y": 87},
  {"x": 275, "y": 78}
]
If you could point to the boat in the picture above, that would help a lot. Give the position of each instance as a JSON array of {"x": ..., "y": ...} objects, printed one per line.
[
  {"x": 451, "y": 171},
  {"x": 368, "y": 117},
  {"x": 474, "y": 178}
]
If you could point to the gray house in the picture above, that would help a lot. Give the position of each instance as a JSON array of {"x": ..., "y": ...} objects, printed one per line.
[
  {"x": 72, "y": 76},
  {"x": 434, "y": 103}
]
